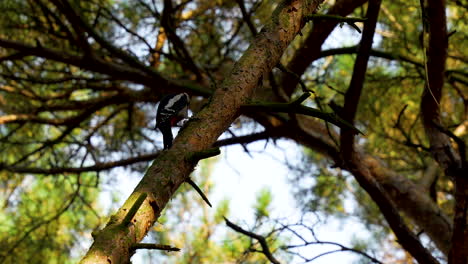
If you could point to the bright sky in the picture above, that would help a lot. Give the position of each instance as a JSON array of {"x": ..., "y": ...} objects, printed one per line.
[
  {"x": 239, "y": 177},
  {"x": 266, "y": 169}
]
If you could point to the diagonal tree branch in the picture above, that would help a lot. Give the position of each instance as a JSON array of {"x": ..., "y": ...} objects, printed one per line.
[
  {"x": 349, "y": 20},
  {"x": 265, "y": 248},
  {"x": 167, "y": 22},
  {"x": 171, "y": 168},
  {"x": 265, "y": 135},
  {"x": 155, "y": 246},
  {"x": 95, "y": 168},
  {"x": 300, "y": 109},
  {"x": 247, "y": 18},
  {"x": 82, "y": 26},
  {"x": 310, "y": 49}
]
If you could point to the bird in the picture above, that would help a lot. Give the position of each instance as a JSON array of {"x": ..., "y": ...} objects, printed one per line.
[{"x": 172, "y": 109}]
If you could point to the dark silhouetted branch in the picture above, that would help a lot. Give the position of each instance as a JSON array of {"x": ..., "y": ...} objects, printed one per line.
[
  {"x": 204, "y": 154},
  {"x": 199, "y": 191},
  {"x": 133, "y": 210},
  {"x": 264, "y": 135},
  {"x": 348, "y": 20},
  {"x": 442, "y": 150},
  {"x": 95, "y": 168},
  {"x": 292, "y": 108},
  {"x": 405, "y": 236},
  {"x": 263, "y": 243},
  {"x": 155, "y": 246}
]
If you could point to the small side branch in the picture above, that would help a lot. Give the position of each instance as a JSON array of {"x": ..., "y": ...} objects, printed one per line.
[
  {"x": 301, "y": 99},
  {"x": 348, "y": 20},
  {"x": 204, "y": 154},
  {"x": 133, "y": 210},
  {"x": 98, "y": 167},
  {"x": 271, "y": 133},
  {"x": 155, "y": 246},
  {"x": 460, "y": 143},
  {"x": 265, "y": 249},
  {"x": 298, "y": 78},
  {"x": 199, "y": 191},
  {"x": 294, "y": 108}
]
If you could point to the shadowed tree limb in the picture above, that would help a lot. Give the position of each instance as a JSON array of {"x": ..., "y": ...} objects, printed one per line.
[
  {"x": 405, "y": 236},
  {"x": 167, "y": 22},
  {"x": 265, "y": 135},
  {"x": 270, "y": 133},
  {"x": 86, "y": 62},
  {"x": 246, "y": 17},
  {"x": 199, "y": 191},
  {"x": 195, "y": 157},
  {"x": 99, "y": 65},
  {"x": 204, "y": 154},
  {"x": 348, "y": 20},
  {"x": 265, "y": 248},
  {"x": 293, "y": 108},
  {"x": 311, "y": 47},
  {"x": 435, "y": 24},
  {"x": 133, "y": 209},
  {"x": 96, "y": 168},
  {"x": 155, "y": 246}
]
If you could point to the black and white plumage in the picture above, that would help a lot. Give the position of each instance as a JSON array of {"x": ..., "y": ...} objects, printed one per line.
[{"x": 172, "y": 108}]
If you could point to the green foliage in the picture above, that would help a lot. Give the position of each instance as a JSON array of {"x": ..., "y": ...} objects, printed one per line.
[
  {"x": 263, "y": 203},
  {"x": 321, "y": 189},
  {"x": 328, "y": 192},
  {"x": 221, "y": 211},
  {"x": 37, "y": 222}
]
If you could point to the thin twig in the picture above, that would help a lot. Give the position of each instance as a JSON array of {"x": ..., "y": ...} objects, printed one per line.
[
  {"x": 199, "y": 191},
  {"x": 155, "y": 246},
  {"x": 265, "y": 249}
]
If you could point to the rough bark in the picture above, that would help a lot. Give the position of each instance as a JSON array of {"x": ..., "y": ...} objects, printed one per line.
[
  {"x": 414, "y": 201},
  {"x": 441, "y": 146},
  {"x": 113, "y": 244}
]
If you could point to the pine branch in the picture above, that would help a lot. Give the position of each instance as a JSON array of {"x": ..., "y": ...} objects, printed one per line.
[
  {"x": 155, "y": 246},
  {"x": 348, "y": 20},
  {"x": 199, "y": 191}
]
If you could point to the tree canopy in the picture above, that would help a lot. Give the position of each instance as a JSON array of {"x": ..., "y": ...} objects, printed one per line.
[{"x": 380, "y": 120}]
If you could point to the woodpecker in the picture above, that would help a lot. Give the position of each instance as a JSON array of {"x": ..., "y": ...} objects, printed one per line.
[{"x": 172, "y": 108}]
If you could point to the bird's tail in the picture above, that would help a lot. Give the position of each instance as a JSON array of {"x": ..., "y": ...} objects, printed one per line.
[{"x": 167, "y": 136}]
